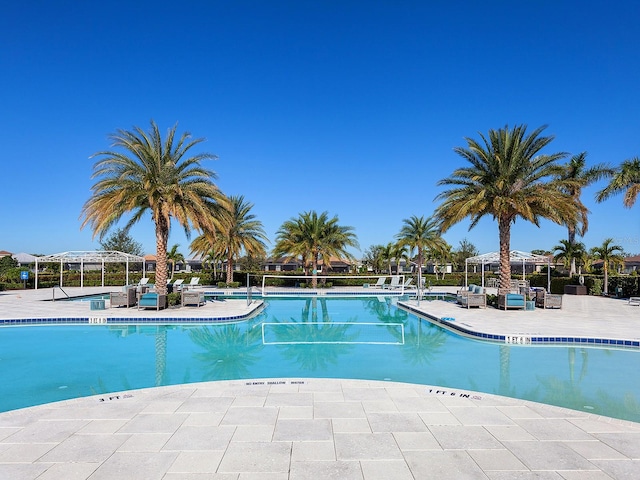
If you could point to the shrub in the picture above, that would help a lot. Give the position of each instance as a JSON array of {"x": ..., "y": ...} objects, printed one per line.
[
  {"x": 222, "y": 285},
  {"x": 596, "y": 288},
  {"x": 173, "y": 299}
]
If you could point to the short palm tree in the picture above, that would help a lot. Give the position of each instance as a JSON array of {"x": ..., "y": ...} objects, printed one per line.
[
  {"x": 173, "y": 257},
  {"x": 290, "y": 242},
  {"x": 569, "y": 254},
  {"x": 240, "y": 231},
  {"x": 399, "y": 252},
  {"x": 611, "y": 256},
  {"x": 576, "y": 171},
  {"x": 315, "y": 237},
  {"x": 420, "y": 234},
  {"x": 386, "y": 254},
  {"x": 508, "y": 178},
  {"x": 149, "y": 174},
  {"x": 624, "y": 179}
]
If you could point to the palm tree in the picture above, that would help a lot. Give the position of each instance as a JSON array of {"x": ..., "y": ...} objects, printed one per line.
[
  {"x": 421, "y": 234},
  {"x": 399, "y": 252},
  {"x": 373, "y": 258},
  {"x": 315, "y": 237},
  {"x": 240, "y": 230},
  {"x": 290, "y": 242},
  {"x": 244, "y": 232},
  {"x": 153, "y": 175},
  {"x": 508, "y": 179},
  {"x": 569, "y": 253},
  {"x": 387, "y": 255},
  {"x": 173, "y": 257},
  {"x": 579, "y": 176},
  {"x": 627, "y": 179},
  {"x": 611, "y": 256}
]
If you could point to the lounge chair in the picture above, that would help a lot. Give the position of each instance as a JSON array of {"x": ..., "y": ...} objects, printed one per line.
[
  {"x": 395, "y": 283},
  {"x": 380, "y": 283},
  {"x": 408, "y": 283},
  {"x": 177, "y": 285},
  {"x": 547, "y": 300},
  {"x": 194, "y": 282}
]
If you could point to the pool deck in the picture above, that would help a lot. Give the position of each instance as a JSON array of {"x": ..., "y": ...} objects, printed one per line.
[{"x": 320, "y": 428}]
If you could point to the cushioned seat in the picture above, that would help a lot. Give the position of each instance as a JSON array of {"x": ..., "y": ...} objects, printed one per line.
[
  {"x": 152, "y": 300},
  {"x": 511, "y": 300}
]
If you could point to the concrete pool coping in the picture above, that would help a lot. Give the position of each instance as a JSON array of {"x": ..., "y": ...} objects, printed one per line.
[{"x": 321, "y": 428}]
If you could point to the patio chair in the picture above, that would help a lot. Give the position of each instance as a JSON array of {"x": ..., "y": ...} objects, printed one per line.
[
  {"x": 152, "y": 300},
  {"x": 126, "y": 298},
  {"x": 408, "y": 283},
  {"x": 194, "y": 282},
  {"x": 547, "y": 300},
  {"x": 473, "y": 296},
  {"x": 511, "y": 300},
  {"x": 380, "y": 283},
  {"x": 193, "y": 298}
]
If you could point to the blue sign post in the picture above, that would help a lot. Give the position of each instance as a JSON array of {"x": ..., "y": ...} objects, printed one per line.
[{"x": 24, "y": 276}]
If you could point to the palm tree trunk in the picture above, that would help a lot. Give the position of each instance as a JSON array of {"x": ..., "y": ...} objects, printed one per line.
[
  {"x": 314, "y": 272},
  {"x": 229, "y": 267},
  {"x": 162, "y": 239},
  {"x": 572, "y": 241},
  {"x": 161, "y": 355},
  {"x": 504, "y": 229}
]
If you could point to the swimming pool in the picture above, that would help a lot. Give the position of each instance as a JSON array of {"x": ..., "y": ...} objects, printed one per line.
[{"x": 361, "y": 338}]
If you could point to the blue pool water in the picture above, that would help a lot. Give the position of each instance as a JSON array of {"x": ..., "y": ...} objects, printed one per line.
[{"x": 361, "y": 338}]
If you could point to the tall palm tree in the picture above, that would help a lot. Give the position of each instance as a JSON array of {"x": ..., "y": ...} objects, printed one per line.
[
  {"x": 569, "y": 253},
  {"x": 173, "y": 257},
  {"x": 624, "y": 179},
  {"x": 611, "y": 256},
  {"x": 153, "y": 175},
  {"x": 421, "y": 234},
  {"x": 315, "y": 237},
  {"x": 239, "y": 231},
  {"x": 508, "y": 179}
]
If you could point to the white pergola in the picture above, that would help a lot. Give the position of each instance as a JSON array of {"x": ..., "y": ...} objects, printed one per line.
[
  {"x": 515, "y": 257},
  {"x": 98, "y": 257}
]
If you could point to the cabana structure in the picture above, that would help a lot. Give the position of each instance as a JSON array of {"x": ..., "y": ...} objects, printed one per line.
[
  {"x": 516, "y": 257},
  {"x": 83, "y": 258}
]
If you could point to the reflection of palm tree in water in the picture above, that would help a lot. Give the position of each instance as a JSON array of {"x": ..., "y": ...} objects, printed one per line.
[
  {"x": 229, "y": 350},
  {"x": 504, "y": 385},
  {"x": 321, "y": 348},
  {"x": 161, "y": 355},
  {"x": 420, "y": 347}
]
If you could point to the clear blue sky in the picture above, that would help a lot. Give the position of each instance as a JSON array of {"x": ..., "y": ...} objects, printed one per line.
[{"x": 349, "y": 107}]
